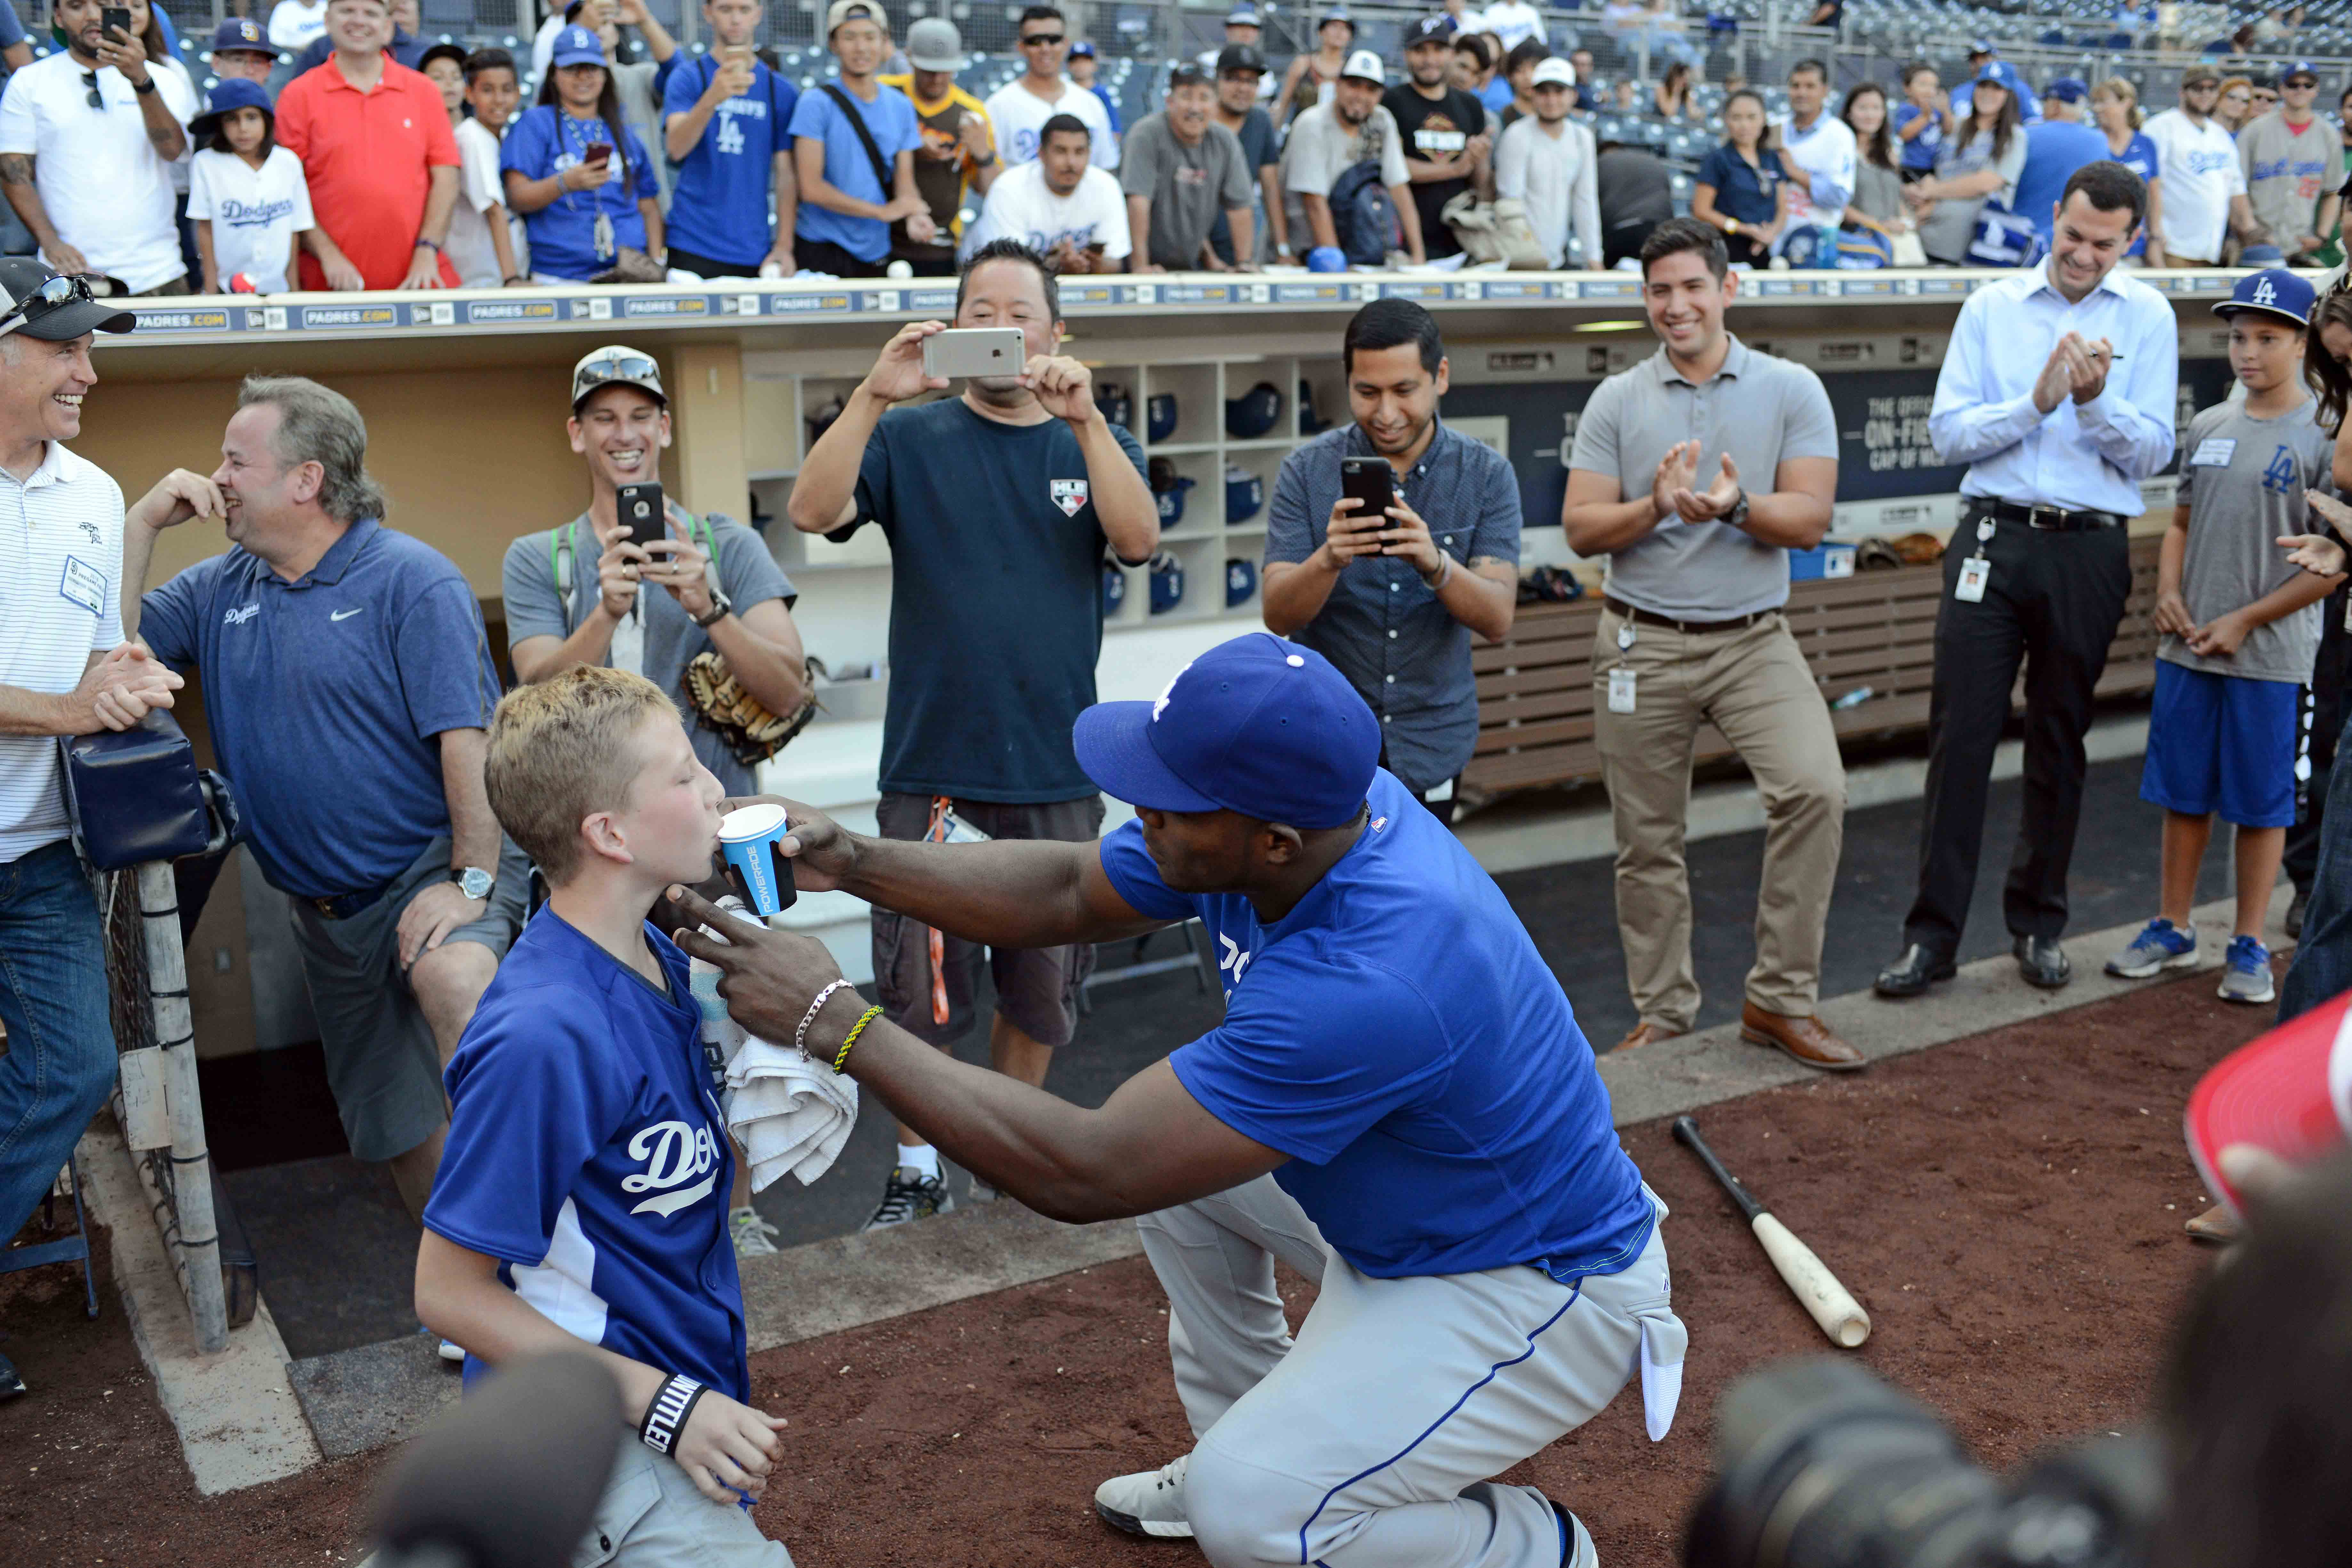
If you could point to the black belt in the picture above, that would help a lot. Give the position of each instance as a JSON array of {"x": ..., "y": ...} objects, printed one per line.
[
  {"x": 343, "y": 906},
  {"x": 1652, "y": 619},
  {"x": 2047, "y": 519}
]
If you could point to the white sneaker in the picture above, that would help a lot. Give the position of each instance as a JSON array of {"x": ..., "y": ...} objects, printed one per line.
[
  {"x": 754, "y": 1236},
  {"x": 1148, "y": 1503},
  {"x": 452, "y": 1352}
]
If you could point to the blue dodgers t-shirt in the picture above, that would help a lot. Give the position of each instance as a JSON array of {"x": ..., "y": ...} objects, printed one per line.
[
  {"x": 2140, "y": 155},
  {"x": 324, "y": 694},
  {"x": 2053, "y": 151},
  {"x": 719, "y": 208},
  {"x": 1919, "y": 152},
  {"x": 1398, "y": 1036},
  {"x": 563, "y": 233},
  {"x": 890, "y": 120},
  {"x": 587, "y": 1154},
  {"x": 995, "y": 600}
]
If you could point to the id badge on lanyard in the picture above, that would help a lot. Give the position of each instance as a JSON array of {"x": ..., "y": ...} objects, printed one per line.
[{"x": 1976, "y": 572}]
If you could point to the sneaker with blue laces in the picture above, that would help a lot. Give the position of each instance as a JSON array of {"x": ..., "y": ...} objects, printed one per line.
[
  {"x": 2159, "y": 946},
  {"x": 2246, "y": 971}
]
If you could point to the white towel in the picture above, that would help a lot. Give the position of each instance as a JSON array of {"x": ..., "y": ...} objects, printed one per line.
[{"x": 789, "y": 1112}]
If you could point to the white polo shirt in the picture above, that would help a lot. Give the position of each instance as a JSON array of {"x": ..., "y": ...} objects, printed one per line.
[
  {"x": 60, "y": 601},
  {"x": 107, "y": 190}
]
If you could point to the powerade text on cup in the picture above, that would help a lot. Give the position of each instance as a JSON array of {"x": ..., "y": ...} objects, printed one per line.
[{"x": 749, "y": 839}]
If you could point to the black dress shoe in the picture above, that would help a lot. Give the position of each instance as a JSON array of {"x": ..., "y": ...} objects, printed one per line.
[
  {"x": 2043, "y": 961},
  {"x": 1913, "y": 972},
  {"x": 2295, "y": 912}
]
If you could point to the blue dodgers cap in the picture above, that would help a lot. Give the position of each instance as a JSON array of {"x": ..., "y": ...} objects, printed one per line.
[
  {"x": 2273, "y": 292},
  {"x": 1982, "y": 47},
  {"x": 576, "y": 46},
  {"x": 1259, "y": 726},
  {"x": 2068, "y": 89},
  {"x": 2300, "y": 67}
]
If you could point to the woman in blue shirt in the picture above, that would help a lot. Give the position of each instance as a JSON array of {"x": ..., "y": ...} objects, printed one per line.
[
  {"x": 2115, "y": 105},
  {"x": 580, "y": 211},
  {"x": 1741, "y": 188}
]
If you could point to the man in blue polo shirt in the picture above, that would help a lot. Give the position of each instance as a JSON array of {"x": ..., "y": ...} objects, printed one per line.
[
  {"x": 347, "y": 681},
  {"x": 1398, "y": 1104},
  {"x": 725, "y": 123}
]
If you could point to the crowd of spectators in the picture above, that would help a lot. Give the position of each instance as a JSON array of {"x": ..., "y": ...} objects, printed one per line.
[{"x": 384, "y": 160}]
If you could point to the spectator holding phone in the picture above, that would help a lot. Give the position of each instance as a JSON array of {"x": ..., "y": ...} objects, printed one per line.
[
  {"x": 578, "y": 177},
  {"x": 1059, "y": 206},
  {"x": 853, "y": 144},
  {"x": 88, "y": 139},
  {"x": 376, "y": 149},
  {"x": 727, "y": 124},
  {"x": 1392, "y": 596}
]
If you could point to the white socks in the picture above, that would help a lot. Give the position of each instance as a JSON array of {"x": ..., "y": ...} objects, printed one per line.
[{"x": 920, "y": 1157}]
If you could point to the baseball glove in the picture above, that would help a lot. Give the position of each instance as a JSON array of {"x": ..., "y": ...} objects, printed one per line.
[{"x": 751, "y": 732}]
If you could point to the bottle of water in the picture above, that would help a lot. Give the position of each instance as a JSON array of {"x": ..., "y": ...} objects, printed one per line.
[{"x": 722, "y": 1037}]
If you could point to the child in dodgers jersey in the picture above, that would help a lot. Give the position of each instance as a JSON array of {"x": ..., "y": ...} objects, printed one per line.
[{"x": 583, "y": 1193}]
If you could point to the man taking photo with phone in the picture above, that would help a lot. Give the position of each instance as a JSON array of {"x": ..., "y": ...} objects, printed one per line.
[
  {"x": 727, "y": 124},
  {"x": 998, "y": 505}
]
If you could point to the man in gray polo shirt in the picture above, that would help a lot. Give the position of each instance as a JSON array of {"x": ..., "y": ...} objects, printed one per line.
[
  {"x": 1693, "y": 634},
  {"x": 1392, "y": 601}
]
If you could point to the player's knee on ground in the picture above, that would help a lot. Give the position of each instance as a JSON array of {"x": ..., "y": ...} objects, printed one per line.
[{"x": 1244, "y": 1514}]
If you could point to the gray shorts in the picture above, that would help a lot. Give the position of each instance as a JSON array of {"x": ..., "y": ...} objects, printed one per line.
[
  {"x": 381, "y": 1061},
  {"x": 1036, "y": 987},
  {"x": 651, "y": 1517}
]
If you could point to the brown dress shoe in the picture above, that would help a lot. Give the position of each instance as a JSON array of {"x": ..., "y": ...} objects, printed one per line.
[
  {"x": 1807, "y": 1040},
  {"x": 1645, "y": 1034}
]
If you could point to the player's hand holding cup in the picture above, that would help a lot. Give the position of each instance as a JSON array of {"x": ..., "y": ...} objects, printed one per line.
[{"x": 821, "y": 851}]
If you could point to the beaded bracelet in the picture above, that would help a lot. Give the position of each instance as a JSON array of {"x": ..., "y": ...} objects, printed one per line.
[
  {"x": 799, "y": 1036},
  {"x": 856, "y": 1030}
]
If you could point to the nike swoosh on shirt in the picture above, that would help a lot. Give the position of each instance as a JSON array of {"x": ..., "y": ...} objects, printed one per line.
[{"x": 345, "y": 614}]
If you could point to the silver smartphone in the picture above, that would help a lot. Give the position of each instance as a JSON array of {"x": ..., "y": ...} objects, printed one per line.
[{"x": 975, "y": 350}]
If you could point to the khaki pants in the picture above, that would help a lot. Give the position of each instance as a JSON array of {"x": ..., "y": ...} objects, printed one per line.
[{"x": 1753, "y": 684}]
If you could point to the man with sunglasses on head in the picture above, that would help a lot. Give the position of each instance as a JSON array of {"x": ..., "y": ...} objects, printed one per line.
[
  {"x": 65, "y": 670},
  {"x": 87, "y": 138},
  {"x": 1020, "y": 108}
]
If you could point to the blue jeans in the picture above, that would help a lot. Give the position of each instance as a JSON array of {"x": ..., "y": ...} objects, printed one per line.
[
  {"x": 2322, "y": 969},
  {"x": 61, "y": 1062}
]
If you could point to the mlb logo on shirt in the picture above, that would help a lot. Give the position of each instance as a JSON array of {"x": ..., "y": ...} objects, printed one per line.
[{"x": 1070, "y": 495}]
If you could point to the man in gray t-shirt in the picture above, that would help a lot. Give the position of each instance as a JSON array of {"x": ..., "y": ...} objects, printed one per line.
[
  {"x": 1695, "y": 473},
  {"x": 1180, "y": 171},
  {"x": 2288, "y": 157}
]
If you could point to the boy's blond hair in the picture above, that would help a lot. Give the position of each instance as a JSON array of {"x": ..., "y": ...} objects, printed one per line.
[{"x": 559, "y": 750}]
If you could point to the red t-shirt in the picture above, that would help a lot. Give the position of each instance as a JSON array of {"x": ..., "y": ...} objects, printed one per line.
[{"x": 367, "y": 157}]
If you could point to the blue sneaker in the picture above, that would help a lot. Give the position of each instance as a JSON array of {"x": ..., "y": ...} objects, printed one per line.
[
  {"x": 2159, "y": 946},
  {"x": 2246, "y": 971}
]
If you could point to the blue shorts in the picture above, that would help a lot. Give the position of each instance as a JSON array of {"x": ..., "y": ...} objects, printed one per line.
[{"x": 2223, "y": 743}]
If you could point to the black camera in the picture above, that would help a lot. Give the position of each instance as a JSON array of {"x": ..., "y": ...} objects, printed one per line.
[{"x": 1821, "y": 1465}]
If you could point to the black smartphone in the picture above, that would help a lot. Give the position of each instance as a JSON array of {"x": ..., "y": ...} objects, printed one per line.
[
  {"x": 1370, "y": 481},
  {"x": 113, "y": 19},
  {"x": 640, "y": 509}
]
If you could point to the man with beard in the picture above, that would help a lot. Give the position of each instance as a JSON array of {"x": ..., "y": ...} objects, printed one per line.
[
  {"x": 1241, "y": 71},
  {"x": 1332, "y": 138},
  {"x": 1446, "y": 144}
]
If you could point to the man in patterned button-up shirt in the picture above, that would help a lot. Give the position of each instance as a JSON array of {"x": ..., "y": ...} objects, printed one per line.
[{"x": 1392, "y": 602}]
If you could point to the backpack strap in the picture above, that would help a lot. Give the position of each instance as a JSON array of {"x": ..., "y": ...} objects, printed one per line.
[
  {"x": 559, "y": 555},
  {"x": 882, "y": 176}
]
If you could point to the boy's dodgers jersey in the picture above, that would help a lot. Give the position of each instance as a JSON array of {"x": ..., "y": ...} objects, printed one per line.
[{"x": 587, "y": 1153}]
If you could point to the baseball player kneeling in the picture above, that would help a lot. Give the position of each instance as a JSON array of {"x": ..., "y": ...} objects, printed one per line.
[{"x": 1399, "y": 1104}]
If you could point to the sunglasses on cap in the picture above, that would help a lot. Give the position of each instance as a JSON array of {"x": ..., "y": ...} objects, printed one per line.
[
  {"x": 629, "y": 369},
  {"x": 52, "y": 294}
]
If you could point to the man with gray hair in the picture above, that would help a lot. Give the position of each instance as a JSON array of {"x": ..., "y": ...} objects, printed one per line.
[{"x": 347, "y": 681}]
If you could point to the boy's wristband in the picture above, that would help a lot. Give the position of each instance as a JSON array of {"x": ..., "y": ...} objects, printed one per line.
[{"x": 665, "y": 1417}]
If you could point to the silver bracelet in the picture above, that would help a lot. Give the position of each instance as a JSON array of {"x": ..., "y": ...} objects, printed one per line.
[
  {"x": 799, "y": 1036},
  {"x": 1444, "y": 573}
]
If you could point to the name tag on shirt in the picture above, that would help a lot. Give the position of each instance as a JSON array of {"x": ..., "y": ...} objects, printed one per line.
[
  {"x": 2213, "y": 452},
  {"x": 83, "y": 584}
]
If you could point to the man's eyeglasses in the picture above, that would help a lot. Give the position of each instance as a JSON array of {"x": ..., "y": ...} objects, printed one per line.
[
  {"x": 627, "y": 368},
  {"x": 97, "y": 99},
  {"x": 53, "y": 294},
  {"x": 1035, "y": 40}
]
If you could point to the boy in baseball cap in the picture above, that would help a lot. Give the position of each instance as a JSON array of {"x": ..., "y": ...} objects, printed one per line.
[
  {"x": 240, "y": 49},
  {"x": 2241, "y": 629}
]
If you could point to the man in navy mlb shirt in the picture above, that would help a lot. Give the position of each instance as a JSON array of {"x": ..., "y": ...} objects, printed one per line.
[{"x": 1398, "y": 1104}]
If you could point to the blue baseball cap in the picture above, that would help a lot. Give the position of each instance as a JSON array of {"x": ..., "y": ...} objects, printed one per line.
[
  {"x": 576, "y": 46},
  {"x": 231, "y": 92},
  {"x": 2068, "y": 89},
  {"x": 1258, "y": 725},
  {"x": 2273, "y": 293},
  {"x": 1243, "y": 17},
  {"x": 1982, "y": 47},
  {"x": 2300, "y": 67},
  {"x": 243, "y": 33},
  {"x": 1082, "y": 50}
]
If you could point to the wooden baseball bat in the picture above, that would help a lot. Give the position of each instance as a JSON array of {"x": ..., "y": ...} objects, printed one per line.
[{"x": 1815, "y": 1288}]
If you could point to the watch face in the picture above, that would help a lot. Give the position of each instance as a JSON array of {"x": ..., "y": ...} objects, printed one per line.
[{"x": 475, "y": 882}]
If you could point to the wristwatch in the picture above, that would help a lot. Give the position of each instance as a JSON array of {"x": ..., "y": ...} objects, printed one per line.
[
  {"x": 720, "y": 604},
  {"x": 143, "y": 88},
  {"x": 1737, "y": 515},
  {"x": 473, "y": 881}
]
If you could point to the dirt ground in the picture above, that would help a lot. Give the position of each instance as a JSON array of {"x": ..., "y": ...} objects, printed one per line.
[{"x": 2007, "y": 1208}]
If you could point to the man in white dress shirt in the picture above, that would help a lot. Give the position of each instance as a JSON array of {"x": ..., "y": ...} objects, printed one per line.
[
  {"x": 2058, "y": 391},
  {"x": 1819, "y": 151}
]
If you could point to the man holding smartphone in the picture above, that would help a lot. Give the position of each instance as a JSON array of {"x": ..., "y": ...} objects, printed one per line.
[
  {"x": 1392, "y": 539},
  {"x": 727, "y": 122},
  {"x": 998, "y": 505}
]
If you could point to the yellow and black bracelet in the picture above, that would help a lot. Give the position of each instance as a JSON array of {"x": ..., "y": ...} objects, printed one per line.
[{"x": 854, "y": 1030}]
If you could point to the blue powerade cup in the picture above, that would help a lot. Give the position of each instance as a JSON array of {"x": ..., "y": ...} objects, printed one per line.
[{"x": 750, "y": 840}]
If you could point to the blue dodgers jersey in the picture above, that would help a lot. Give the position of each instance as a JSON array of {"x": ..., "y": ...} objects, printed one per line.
[
  {"x": 587, "y": 1154},
  {"x": 1398, "y": 1035}
]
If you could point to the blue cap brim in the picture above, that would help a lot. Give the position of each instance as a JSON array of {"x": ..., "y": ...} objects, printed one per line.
[
  {"x": 1113, "y": 741},
  {"x": 2228, "y": 308}
]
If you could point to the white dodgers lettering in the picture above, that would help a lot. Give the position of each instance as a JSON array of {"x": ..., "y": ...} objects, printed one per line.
[
  {"x": 1236, "y": 959},
  {"x": 675, "y": 1154}
]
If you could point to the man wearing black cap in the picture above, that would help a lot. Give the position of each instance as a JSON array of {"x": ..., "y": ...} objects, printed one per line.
[
  {"x": 1446, "y": 144},
  {"x": 1241, "y": 72},
  {"x": 1180, "y": 170},
  {"x": 65, "y": 670},
  {"x": 1427, "y": 1141}
]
